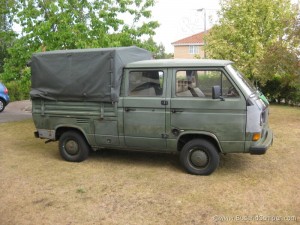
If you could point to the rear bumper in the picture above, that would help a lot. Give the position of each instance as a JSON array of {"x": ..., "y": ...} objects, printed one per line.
[
  {"x": 7, "y": 100},
  {"x": 45, "y": 134},
  {"x": 263, "y": 145}
]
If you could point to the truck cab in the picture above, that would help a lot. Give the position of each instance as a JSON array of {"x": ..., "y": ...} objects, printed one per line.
[{"x": 197, "y": 109}]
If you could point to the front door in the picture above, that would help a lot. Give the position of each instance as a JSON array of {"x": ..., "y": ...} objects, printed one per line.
[
  {"x": 193, "y": 108},
  {"x": 145, "y": 109}
]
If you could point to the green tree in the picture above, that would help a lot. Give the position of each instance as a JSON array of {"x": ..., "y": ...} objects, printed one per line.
[
  {"x": 281, "y": 67},
  {"x": 70, "y": 24},
  {"x": 6, "y": 33},
  {"x": 159, "y": 51},
  {"x": 250, "y": 32}
]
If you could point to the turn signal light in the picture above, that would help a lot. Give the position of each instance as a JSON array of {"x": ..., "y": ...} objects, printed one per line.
[{"x": 256, "y": 137}]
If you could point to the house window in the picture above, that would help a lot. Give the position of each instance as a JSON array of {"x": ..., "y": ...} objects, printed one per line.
[{"x": 194, "y": 49}]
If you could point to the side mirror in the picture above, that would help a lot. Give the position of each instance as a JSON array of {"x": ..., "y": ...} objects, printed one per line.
[{"x": 216, "y": 92}]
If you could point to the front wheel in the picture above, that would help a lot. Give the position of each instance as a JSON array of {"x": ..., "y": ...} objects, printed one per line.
[
  {"x": 73, "y": 147},
  {"x": 199, "y": 157}
]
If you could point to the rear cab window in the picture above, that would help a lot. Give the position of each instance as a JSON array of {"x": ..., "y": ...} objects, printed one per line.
[{"x": 145, "y": 83}]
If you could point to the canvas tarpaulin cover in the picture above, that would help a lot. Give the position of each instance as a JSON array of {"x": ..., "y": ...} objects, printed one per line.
[{"x": 81, "y": 75}]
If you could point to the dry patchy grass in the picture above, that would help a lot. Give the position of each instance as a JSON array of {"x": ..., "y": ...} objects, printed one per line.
[{"x": 115, "y": 187}]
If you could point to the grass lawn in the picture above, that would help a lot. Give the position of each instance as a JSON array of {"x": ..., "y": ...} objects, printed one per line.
[{"x": 115, "y": 187}]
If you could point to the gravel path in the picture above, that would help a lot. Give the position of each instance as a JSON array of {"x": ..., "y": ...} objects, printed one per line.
[{"x": 16, "y": 111}]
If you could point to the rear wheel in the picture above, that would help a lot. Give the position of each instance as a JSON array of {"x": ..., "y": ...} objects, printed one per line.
[
  {"x": 73, "y": 147},
  {"x": 199, "y": 157},
  {"x": 2, "y": 105}
]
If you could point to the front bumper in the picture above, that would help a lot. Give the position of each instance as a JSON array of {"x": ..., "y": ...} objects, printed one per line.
[{"x": 263, "y": 144}]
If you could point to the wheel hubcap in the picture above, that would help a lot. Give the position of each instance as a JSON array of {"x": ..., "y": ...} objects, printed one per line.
[
  {"x": 72, "y": 147},
  {"x": 199, "y": 158}
]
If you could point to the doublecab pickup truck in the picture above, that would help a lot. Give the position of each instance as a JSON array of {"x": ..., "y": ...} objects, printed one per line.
[{"x": 120, "y": 98}]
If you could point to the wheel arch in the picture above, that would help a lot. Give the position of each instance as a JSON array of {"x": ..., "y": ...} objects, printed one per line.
[
  {"x": 1, "y": 98},
  {"x": 62, "y": 129},
  {"x": 186, "y": 137}
]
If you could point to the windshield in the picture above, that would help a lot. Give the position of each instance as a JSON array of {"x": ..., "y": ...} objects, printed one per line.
[{"x": 244, "y": 81}]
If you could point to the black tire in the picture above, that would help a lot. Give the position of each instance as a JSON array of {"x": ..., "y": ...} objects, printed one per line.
[
  {"x": 2, "y": 105},
  {"x": 73, "y": 147},
  {"x": 199, "y": 157}
]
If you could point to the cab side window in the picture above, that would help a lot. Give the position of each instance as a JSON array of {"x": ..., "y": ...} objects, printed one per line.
[
  {"x": 146, "y": 83},
  {"x": 199, "y": 83}
]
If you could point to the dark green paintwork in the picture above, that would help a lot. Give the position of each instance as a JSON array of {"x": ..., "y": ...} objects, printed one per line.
[{"x": 146, "y": 123}]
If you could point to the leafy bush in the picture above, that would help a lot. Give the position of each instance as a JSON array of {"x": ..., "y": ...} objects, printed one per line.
[
  {"x": 276, "y": 92},
  {"x": 19, "y": 89}
]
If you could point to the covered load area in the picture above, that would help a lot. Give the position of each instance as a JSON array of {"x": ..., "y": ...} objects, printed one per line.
[{"x": 92, "y": 75}]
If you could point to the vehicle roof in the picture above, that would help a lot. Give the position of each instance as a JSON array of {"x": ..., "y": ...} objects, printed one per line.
[{"x": 162, "y": 63}]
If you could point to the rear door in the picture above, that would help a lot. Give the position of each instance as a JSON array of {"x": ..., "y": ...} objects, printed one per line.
[{"x": 145, "y": 109}]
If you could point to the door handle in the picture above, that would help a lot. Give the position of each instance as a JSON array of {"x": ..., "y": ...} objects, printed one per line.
[
  {"x": 176, "y": 110},
  {"x": 129, "y": 109}
]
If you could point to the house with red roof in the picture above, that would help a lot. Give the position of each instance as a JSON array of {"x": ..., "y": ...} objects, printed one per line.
[{"x": 190, "y": 47}]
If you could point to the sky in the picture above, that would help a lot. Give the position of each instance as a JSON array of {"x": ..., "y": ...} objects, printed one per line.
[{"x": 179, "y": 19}]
